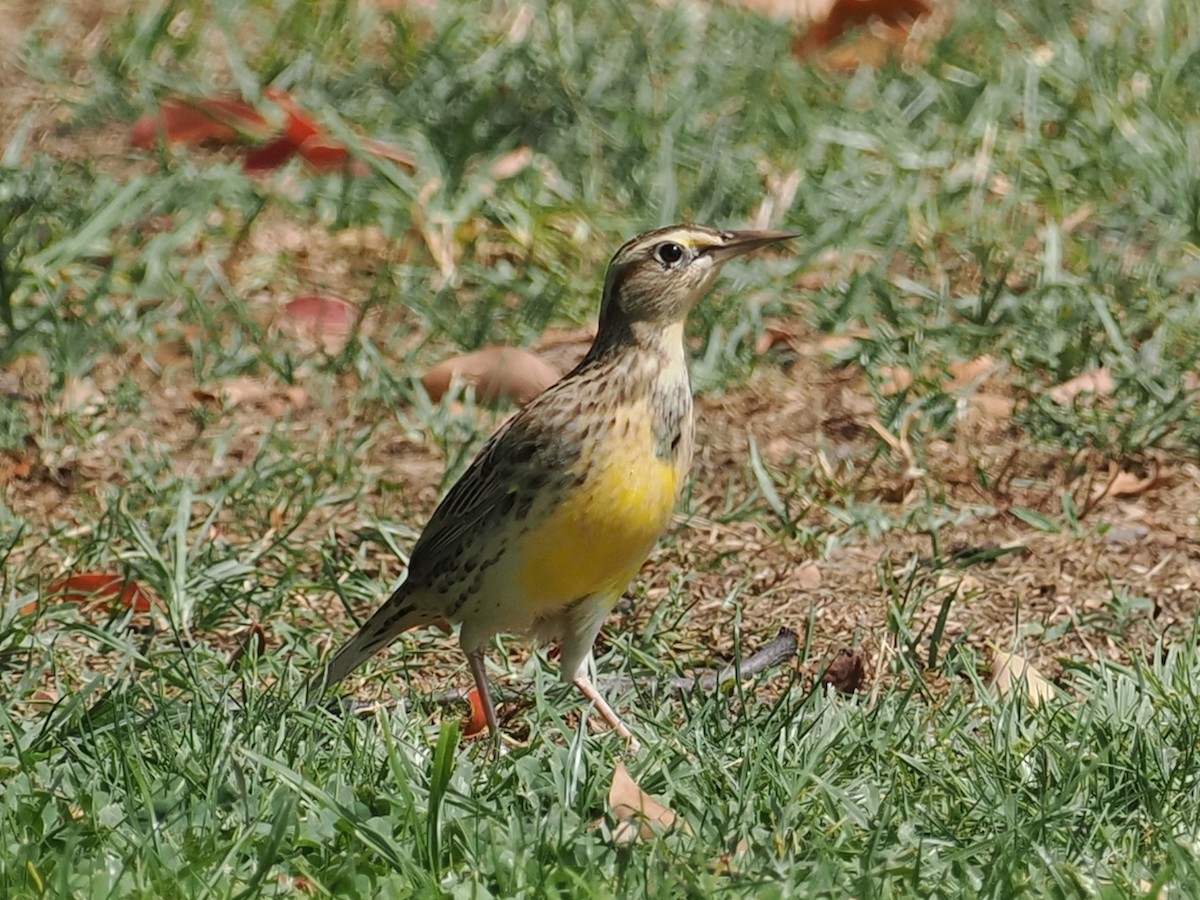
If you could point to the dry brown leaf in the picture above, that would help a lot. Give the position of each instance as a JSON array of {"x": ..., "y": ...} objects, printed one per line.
[
  {"x": 797, "y": 10},
  {"x": 730, "y": 863},
  {"x": 496, "y": 373},
  {"x": 888, "y": 32},
  {"x": 778, "y": 196},
  {"x": 894, "y": 379},
  {"x": 872, "y": 49},
  {"x": 252, "y": 638},
  {"x": 13, "y": 466},
  {"x": 234, "y": 392},
  {"x": 1011, "y": 671},
  {"x": 1077, "y": 218},
  {"x": 837, "y": 344},
  {"x": 80, "y": 397},
  {"x": 776, "y": 334},
  {"x": 808, "y": 577},
  {"x": 367, "y": 239},
  {"x": 636, "y": 812},
  {"x": 1121, "y": 483},
  {"x": 845, "y": 15},
  {"x": 246, "y": 391},
  {"x": 1098, "y": 382},
  {"x": 847, "y": 671},
  {"x": 511, "y": 164},
  {"x": 970, "y": 373},
  {"x": 991, "y": 406},
  {"x": 964, "y": 587}
]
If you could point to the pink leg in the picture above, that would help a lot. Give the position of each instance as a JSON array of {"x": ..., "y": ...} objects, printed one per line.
[
  {"x": 479, "y": 670},
  {"x": 606, "y": 712}
]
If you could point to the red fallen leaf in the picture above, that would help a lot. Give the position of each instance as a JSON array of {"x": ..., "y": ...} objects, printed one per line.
[
  {"x": 300, "y": 125},
  {"x": 307, "y": 138},
  {"x": 269, "y": 156},
  {"x": 322, "y": 314},
  {"x": 200, "y": 120},
  {"x": 86, "y": 587},
  {"x": 324, "y": 154},
  {"x": 478, "y": 721}
]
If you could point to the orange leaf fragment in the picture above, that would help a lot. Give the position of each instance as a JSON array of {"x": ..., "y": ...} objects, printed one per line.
[
  {"x": 87, "y": 587},
  {"x": 200, "y": 120},
  {"x": 636, "y": 812},
  {"x": 13, "y": 466},
  {"x": 477, "y": 724},
  {"x": 497, "y": 374}
]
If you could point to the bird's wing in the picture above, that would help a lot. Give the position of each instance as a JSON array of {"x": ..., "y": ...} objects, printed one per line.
[{"x": 510, "y": 456}]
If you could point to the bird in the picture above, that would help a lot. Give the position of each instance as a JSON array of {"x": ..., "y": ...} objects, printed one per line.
[{"x": 558, "y": 511}]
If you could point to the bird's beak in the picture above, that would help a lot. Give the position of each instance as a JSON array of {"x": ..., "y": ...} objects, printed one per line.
[{"x": 738, "y": 243}]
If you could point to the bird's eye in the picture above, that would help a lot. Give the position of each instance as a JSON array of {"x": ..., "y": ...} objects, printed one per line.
[{"x": 668, "y": 253}]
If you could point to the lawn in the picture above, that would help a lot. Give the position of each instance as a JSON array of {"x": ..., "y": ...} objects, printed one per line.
[{"x": 949, "y": 438}]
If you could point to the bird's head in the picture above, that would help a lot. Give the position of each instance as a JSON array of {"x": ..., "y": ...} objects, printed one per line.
[{"x": 655, "y": 279}]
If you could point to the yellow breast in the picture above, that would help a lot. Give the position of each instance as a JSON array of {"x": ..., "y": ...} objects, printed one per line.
[{"x": 601, "y": 532}]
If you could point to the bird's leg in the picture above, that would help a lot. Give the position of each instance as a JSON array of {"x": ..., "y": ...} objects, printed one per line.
[
  {"x": 479, "y": 670},
  {"x": 606, "y": 712}
]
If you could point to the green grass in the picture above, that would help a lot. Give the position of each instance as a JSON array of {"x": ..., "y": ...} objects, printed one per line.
[
  {"x": 160, "y": 767},
  {"x": 132, "y": 790}
]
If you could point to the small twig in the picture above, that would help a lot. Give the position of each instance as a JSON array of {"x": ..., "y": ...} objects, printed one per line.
[{"x": 777, "y": 651}]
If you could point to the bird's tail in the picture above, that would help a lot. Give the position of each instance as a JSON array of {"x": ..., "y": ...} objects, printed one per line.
[{"x": 397, "y": 615}]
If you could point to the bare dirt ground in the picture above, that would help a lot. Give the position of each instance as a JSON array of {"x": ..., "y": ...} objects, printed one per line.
[{"x": 1131, "y": 576}]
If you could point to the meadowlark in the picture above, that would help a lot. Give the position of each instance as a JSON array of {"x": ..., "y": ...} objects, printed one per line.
[{"x": 564, "y": 503}]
